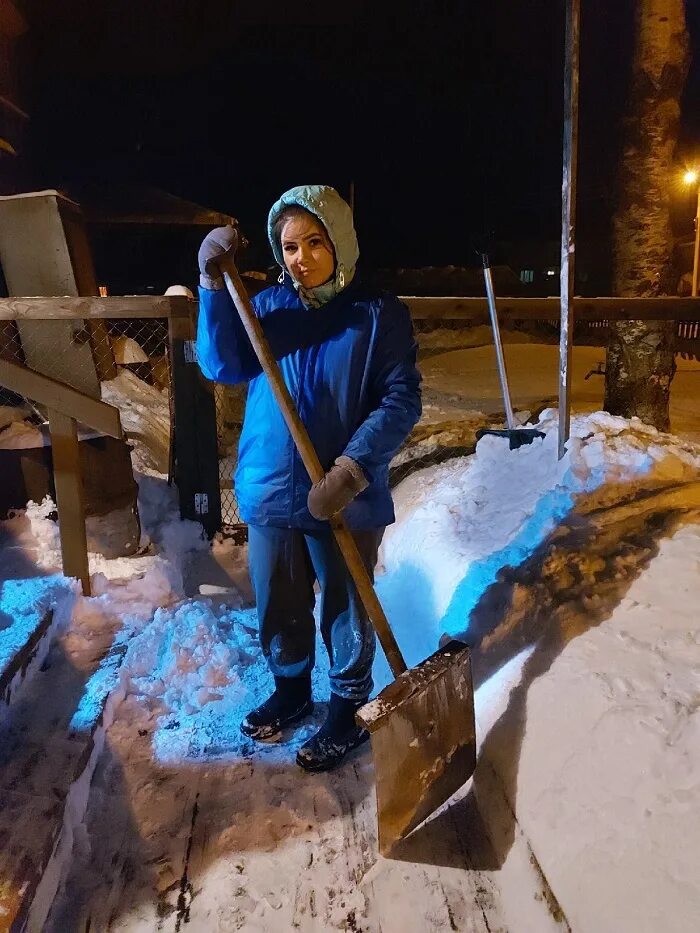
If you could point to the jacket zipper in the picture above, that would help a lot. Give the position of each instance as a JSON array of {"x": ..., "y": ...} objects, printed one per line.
[{"x": 302, "y": 373}]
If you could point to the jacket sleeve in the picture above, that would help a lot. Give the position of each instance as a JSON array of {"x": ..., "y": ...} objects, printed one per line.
[
  {"x": 224, "y": 352},
  {"x": 394, "y": 391}
]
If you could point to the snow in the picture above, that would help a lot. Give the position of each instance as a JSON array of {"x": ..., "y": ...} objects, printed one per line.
[
  {"x": 608, "y": 756},
  {"x": 23, "y": 435},
  {"x": 458, "y": 524},
  {"x": 467, "y": 379},
  {"x": 145, "y": 416},
  {"x": 23, "y": 604},
  {"x": 20, "y": 435}
]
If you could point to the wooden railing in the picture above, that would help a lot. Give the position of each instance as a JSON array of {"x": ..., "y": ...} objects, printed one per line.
[
  {"x": 66, "y": 406},
  {"x": 450, "y": 308},
  {"x": 476, "y": 310}
]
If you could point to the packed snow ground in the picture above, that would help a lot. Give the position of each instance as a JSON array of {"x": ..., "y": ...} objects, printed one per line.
[
  {"x": 587, "y": 668},
  {"x": 465, "y": 379}
]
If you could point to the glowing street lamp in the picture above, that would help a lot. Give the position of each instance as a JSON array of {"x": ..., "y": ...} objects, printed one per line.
[{"x": 691, "y": 177}]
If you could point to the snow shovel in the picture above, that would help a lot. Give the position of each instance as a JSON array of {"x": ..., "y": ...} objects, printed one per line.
[
  {"x": 421, "y": 725},
  {"x": 515, "y": 435}
]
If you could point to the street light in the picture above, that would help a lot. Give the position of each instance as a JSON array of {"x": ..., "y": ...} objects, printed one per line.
[{"x": 691, "y": 178}]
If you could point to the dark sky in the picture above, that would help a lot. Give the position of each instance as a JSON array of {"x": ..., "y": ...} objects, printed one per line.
[{"x": 447, "y": 115}]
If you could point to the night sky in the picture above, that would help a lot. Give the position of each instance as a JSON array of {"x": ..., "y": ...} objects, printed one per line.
[{"x": 446, "y": 115}]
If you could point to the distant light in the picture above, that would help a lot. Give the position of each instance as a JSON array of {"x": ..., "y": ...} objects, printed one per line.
[
  {"x": 690, "y": 177},
  {"x": 104, "y": 291},
  {"x": 551, "y": 272}
]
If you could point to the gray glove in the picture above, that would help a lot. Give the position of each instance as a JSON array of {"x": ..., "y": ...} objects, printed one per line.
[
  {"x": 218, "y": 245},
  {"x": 338, "y": 488}
]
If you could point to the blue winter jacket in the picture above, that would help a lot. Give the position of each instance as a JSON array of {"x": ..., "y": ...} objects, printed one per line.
[{"x": 350, "y": 366}]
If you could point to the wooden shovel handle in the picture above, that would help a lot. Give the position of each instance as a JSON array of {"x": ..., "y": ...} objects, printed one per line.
[{"x": 343, "y": 536}]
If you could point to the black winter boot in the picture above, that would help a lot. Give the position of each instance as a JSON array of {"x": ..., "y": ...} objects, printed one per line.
[
  {"x": 337, "y": 736},
  {"x": 290, "y": 702}
]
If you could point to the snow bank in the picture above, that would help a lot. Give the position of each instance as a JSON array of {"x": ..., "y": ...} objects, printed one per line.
[{"x": 458, "y": 524}]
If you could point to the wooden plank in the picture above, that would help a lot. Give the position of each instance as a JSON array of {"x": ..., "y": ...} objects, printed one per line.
[
  {"x": 548, "y": 309},
  {"x": 69, "y": 497},
  {"x": 568, "y": 217},
  {"x": 37, "y": 255},
  {"x": 19, "y": 666},
  {"x": 61, "y": 398},
  {"x": 130, "y": 306}
]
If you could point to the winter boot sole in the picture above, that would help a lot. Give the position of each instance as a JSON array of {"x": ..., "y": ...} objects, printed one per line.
[
  {"x": 331, "y": 761},
  {"x": 269, "y": 730}
]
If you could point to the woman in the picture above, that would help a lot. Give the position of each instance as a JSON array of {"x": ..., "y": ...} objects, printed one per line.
[{"x": 348, "y": 357}]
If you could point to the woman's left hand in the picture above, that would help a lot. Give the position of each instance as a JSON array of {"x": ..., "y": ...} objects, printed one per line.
[{"x": 338, "y": 488}]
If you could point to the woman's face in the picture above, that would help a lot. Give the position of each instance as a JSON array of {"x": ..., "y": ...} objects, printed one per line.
[{"x": 307, "y": 251}]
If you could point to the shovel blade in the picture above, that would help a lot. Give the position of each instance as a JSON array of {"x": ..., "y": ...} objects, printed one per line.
[
  {"x": 423, "y": 740},
  {"x": 516, "y": 437}
]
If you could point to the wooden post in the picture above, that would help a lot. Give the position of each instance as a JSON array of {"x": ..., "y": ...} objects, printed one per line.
[
  {"x": 196, "y": 450},
  {"x": 568, "y": 216},
  {"x": 69, "y": 497}
]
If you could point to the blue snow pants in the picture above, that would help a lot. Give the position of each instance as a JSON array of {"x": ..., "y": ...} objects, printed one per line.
[{"x": 284, "y": 565}]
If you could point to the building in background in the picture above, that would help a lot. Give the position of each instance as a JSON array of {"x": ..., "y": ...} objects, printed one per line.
[{"x": 13, "y": 116}]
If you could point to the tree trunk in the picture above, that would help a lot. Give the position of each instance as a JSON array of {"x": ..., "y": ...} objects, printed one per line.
[{"x": 640, "y": 361}]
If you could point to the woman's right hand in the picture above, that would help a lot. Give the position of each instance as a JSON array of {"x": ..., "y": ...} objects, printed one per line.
[{"x": 218, "y": 247}]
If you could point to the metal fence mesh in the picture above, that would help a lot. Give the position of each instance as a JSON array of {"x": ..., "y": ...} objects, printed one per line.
[
  {"x": 230, "y": 407},
  {"x": 124, "y": 361}
]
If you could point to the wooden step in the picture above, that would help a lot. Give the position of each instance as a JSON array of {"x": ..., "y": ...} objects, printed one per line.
[
  {"x": 25, "y": 639},
  {"x": 49, "y": 748}
]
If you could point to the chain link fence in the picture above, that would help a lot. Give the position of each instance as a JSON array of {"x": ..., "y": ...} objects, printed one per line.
[
  {"x": 125, "y": 362},
  {"x": 230, "y": 407}
]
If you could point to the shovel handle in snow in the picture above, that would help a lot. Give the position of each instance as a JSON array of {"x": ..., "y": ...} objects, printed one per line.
[
  {"x": 297, "y": 429},
  {"x": 500, "y": 358}
]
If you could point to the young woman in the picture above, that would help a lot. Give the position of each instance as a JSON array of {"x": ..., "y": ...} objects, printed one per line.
[{"x": 348, "y": 357}]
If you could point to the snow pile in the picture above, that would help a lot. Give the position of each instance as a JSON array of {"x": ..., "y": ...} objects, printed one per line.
[
  {"x": 189, "y": 656},
  {"x": 21, "y": 435},
  {"x": 458, "y": 524},
  {"x": 145, "y": 415},
  {"x": 126, "y": 591},
  {"x": 199, "y": 668},
  {"x": 172, "y": 539}
]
